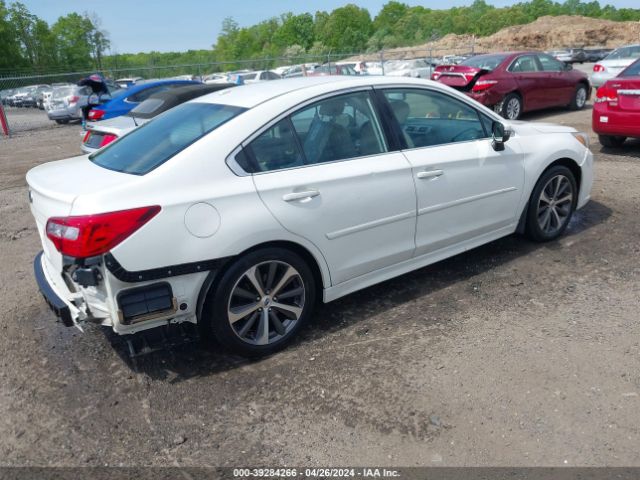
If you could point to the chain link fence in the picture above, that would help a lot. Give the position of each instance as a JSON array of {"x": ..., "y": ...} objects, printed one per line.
[{"x": 27, "y": 99}]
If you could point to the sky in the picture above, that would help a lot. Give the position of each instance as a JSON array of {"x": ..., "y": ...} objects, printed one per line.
[{"x": 166, "y": 25}]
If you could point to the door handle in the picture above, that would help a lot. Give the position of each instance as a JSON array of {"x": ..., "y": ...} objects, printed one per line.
[
  {"x": 429, "y": 174},
  {"x": 291, "y": 197}
]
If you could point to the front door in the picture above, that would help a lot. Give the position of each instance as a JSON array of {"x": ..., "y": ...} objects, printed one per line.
[{"x": 465, "y": 188}]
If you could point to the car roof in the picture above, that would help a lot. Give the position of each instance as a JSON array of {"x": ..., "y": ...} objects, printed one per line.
[
  {"x": 251, "y": 95},
  {"x": 138, "y": 87},
  {"x": 179, "y": 95}
]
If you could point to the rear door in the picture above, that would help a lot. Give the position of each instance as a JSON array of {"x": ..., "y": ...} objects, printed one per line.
[{"x": 327, "y": 174}]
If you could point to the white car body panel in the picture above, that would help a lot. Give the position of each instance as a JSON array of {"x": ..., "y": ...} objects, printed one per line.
[
  {"x": 118, "y": 126},
  {"x": 360, "y": 230}
]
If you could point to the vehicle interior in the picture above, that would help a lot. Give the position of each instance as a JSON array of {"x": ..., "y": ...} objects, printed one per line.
[{"x": 431, "y": 118}]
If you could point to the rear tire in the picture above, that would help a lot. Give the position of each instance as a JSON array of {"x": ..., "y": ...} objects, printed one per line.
[
  {"x": 579, "y": 99},
  {"x": 62, "y": 122},
  {"x": 259, "y": 303},
  {"x": 552, "y": 204},
  {"x": 611, "y": 141},
  {"x": 511, "y": 107}
]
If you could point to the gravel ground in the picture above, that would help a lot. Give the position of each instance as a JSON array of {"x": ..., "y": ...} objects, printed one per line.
[{"x": 511, "y": 354}]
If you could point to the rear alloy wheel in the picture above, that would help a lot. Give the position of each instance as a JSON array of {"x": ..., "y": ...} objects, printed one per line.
[
  {"x": 511, "y": 107},
  {"x": 579, "y": 99},
  {"x": 551, "y": 204},
  {"x": 611, "y": 141},
  {"x": 260, "y": 303}
]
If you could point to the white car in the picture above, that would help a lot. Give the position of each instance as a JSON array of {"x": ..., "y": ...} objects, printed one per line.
[
  {"x": 259, "y": 76},
  {"x": 613, "y": 64},
  {"x": 238, "y": 210},
  {"x": 408, "y": 68}
]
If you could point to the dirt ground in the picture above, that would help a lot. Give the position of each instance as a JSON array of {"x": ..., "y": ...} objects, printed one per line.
[{"x": 511, "y": 354}]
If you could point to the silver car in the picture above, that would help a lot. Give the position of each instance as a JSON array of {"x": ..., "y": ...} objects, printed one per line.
[
  {"x": 614, "y": 63},
  {"x": 67, "y": 102}
]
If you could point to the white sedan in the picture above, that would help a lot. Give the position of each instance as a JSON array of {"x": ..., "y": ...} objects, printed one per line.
[{"x": 240, "y": 209}]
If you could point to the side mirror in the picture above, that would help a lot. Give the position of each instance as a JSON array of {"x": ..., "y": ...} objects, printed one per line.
[{"x": 500, "y": 136}]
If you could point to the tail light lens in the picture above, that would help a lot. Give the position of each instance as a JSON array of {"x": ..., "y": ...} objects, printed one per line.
[
  {"x": 598, "y": 68},
  {"x": 91, "y": 235},
  {"x": 606, "y": 94},
  {"x": 435, "y": 75},
  {"x": 96, "y": 114},
  {"x": 86, "y": 136},
  {"x": 107, "y": 139},
  {"x": 73, "y": 99},
  {"x": 482, "y": 85}
]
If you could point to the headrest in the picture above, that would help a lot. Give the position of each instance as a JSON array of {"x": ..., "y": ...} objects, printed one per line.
[{"x": 332, "y": 108}]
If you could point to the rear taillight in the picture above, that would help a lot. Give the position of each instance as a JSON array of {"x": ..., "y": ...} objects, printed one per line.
[
  {"x": 598, "y": 68},
  {"x": 435, "y": 75},
  {"x": 73, "y": 99},
  {"x": 86, "y": 136},
  {"x": 606, "y": 94},
  {"x": 96, "y": 114},
  {"x": 482, "y": 85},
  {"x": 107, "y": 139},
  {"x": 91, "y": 235}
]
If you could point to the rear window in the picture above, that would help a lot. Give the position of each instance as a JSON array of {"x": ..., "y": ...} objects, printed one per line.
[
  {"x": 157, "y": 141},
  {"x": 632, "y": 70},
  {"x": 150, "y": 105},
  {"x": 624, "y": 52},
  {"x": 62, "y": 92},
  {"x": 485, "y": 62}
]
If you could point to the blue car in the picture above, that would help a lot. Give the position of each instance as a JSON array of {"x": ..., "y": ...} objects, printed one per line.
[{"x": 128, "y": 99}]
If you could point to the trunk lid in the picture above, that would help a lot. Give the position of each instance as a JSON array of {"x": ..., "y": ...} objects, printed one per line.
[
  {"x": 54, "y": 187},
  {"x": 460, "y": 77},
  {"x": 628, "y": 90}
]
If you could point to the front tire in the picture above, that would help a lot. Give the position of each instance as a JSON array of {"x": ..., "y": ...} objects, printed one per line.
[
  {"x": 260, "y": 303},
  {"x": 611, "y": 141},
  {"x": 511, "y": 107},
  {"x": 552, "y": 204}
]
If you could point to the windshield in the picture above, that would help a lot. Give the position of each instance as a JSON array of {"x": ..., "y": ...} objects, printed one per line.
[
  {"x": 155, "y": 142},
  {"x": 624, "y": 52},
  {"x": 632, "y": 70},
  {"x": 485, "y": 62}
]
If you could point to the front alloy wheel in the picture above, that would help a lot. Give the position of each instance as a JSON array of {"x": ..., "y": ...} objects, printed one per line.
[
  {"x": 259, "y": 302},
  {"x": 554, "y": 204},
  {"x": 551, "y": 205}
]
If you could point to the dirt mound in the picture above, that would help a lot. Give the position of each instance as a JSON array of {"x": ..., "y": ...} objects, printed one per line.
[
  {"x": 563, "y": 31},
  {"x": 544, "y": 34}
]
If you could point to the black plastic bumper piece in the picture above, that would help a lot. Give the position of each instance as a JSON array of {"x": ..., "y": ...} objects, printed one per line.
[
  {"x": 137, "y": 304},
  {"x": 56, "y": 304}
]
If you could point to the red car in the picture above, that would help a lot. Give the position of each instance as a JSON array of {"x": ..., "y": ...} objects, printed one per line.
[
  {"x": 515, "y": 82},
  {"x": 616, "y": 110}
]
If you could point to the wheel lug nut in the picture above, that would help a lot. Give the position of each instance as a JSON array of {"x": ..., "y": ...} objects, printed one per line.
[{"x": 260, "y": 309}]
